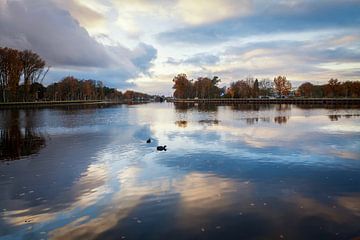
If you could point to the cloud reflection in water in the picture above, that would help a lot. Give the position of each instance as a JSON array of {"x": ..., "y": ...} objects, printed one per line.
[{"x": 223, "y": 176}]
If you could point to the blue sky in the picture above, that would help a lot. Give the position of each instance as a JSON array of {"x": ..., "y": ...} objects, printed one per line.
[{"x": 142, "y": 44}]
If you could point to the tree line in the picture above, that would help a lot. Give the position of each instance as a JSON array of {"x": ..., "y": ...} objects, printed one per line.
[
  {"x": 334, "y": 88},
  {"x": 204, "y": 87},
  {"x": 71, "y": 88},
  {"x": 22, "y": 73},
  {"x": 18, "y": 71}
]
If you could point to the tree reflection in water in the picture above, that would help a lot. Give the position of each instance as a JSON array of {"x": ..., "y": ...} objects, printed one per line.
[
  {"x": 281, "y": 119},
  {"x": 201, "y": 107},
  {"x": 15, "y": 142},
  {"x": 183, "y": 107},
  {"x": 209, "y": 122},
  {"x": 336, "y": 117},
  {"x": 181, "y": 123}
]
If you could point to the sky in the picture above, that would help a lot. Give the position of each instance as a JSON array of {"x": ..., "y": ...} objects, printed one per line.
[{"x": 142, "y": 44}]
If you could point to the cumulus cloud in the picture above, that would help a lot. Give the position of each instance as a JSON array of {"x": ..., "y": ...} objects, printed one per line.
[
  {"x": 87, "y": 15},
  {"x": 51, "y": 32},
  {"x": 55, "y": 35}
]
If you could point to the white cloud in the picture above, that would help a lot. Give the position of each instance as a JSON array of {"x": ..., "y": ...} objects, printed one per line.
[
  {"x": 88, "y": 16},
  {"x": 56, "y": 36},
  {"x": 204, "y": 11}
]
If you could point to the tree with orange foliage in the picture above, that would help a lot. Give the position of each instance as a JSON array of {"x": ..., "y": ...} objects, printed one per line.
[
  {"x": 333, "y": 88},
  {"x": 239, "y": 89},
  {"x": 183, "y": 87},
  {"x": 10, "y": 72},
  {"x": 353, "y": 88},
  {"x": 33, "y": 67},
  {"x": 205, "y": 87},
  {"x": 13, "y": 65},
  {"x": 306, "y": 89},
  {"x": 282, "y": 85},
  {"x": 87, "y": 90}
]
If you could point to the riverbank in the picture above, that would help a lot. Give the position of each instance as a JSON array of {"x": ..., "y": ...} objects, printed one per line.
[
  {"x": 299, "y": 101},
  {"x": 9, "y": 105},
  {"x": 327, "y": 101}
]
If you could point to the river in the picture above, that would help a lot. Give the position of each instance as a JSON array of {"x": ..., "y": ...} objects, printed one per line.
[{"x": 229, "y": 172}]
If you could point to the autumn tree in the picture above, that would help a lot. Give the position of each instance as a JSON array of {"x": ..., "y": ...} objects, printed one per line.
[
  {"x": 132, "y": 95},
  {"x": 306, "y": 89},
  {"x": 355, "y": 89},
  {"x": 10, "y": 72},
  {"x": 112, "y": 94},
  {"x": 33, "y": 69},
  {"x": 350, "y": 89},
  {"x": 333, "y": 88},
  {"x": 240, "y": 89},
  {"x": 346, "y": 89},
  {"x": 318, "y": 91},
  {"x": 282, "y": 85},
  {"x": 183, "y": 87},
  {"x": 248, "y": 88},
  {"x": 87, "y": 90},
  {"x": 202, "y": 87},
  {"x": 205, "y": 87},
  {"x": 71, "y": 88},
  {"x": 15, "y": 64}
]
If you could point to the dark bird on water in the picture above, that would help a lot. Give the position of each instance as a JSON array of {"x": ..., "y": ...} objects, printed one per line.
[
  {"x": 148, "y": 141},
  {"x": 161, "y": 148}
]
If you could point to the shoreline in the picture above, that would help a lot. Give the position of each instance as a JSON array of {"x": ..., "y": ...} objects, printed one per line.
[
  {"x": 324, "y": 101},
  {"x": 297, "y": 101},
  {"x": 16, "y": 105}
]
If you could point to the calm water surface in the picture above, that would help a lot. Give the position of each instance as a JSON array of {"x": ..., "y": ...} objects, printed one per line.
[{"x": 230, "y": 172}]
